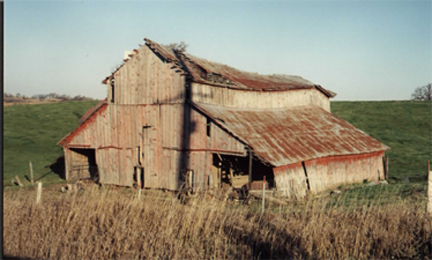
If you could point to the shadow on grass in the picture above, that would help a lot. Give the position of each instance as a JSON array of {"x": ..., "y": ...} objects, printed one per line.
[
  {"x": 286, "y": 247},
  {"x": 57, "y": 167}
]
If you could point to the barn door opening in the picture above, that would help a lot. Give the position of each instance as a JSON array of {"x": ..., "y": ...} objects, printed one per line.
[
  {"x": 234, "y": 171},
  {"x": 83, "y": 164}
]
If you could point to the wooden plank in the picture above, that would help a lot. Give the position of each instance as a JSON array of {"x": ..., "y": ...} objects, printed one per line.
[{"x": 19, "y": 181}]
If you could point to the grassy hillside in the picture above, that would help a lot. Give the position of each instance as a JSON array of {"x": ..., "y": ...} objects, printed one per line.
[
  {"x": 31, "y": 133},
  {"x": 404, "y": 126}
]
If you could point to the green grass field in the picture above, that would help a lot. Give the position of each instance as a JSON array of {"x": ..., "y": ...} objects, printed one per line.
[
  {"x": 404, "y": 126},
  {"x": 31, "y": 133}
]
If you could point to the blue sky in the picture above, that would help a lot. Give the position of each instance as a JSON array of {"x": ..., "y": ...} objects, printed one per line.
[{"x": 363, "y": 50}]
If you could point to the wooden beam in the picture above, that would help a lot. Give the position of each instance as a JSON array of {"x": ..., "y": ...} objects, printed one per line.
[{"x": 250, "y": 168}]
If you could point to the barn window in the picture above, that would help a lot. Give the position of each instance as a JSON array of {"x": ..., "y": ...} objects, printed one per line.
[
  {"x": 138, "y": 155},
  {"x": 208, "y": 126},
  {"x": 112, "y": 93},
  {"x": 110, "y": 90}
]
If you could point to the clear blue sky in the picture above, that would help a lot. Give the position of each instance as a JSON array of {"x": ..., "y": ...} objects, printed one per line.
[{"x": 363, "y": 50}]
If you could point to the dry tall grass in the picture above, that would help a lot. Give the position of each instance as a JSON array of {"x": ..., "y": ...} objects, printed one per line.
[{"x": 115, "y": 225}]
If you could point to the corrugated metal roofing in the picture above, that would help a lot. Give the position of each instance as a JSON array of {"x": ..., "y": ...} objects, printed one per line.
[
  {"x": 83, "y": 119},
  {"x": 91, "y": 111},
  {"x": 209, "y": 72},
  {"x": 286, "y": 136}
]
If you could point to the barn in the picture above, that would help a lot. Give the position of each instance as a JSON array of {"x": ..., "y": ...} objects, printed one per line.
[{"x": 172, "y": 119}]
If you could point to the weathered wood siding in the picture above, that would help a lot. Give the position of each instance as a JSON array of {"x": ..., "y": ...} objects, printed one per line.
[
  {"x": 330, "y": 172},
  {"x": 155, "y": 135},
  {"x": 146, "y": 79},
  {"x": 207, "y": 94},
  {"x": 291, "y": 180}
]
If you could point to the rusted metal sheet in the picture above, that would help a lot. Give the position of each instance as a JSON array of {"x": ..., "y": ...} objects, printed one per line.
[
  {"x": 216, "y": 74},
  {"x": 91, "y": 111},
  {"x": 286, "y": 136}
]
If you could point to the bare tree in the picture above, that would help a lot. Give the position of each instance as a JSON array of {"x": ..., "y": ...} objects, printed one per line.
[
  {"x": 423, "y": 93},
  {"x": 180, "y": 47}
]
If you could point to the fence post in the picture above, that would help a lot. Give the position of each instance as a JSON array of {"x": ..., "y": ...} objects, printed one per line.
[
  {"x": 31, "y": 173},
  {"x": 429, "y": 190},
  {"x": 39, "y": 192},
  {"x": 263, "y": 200}
]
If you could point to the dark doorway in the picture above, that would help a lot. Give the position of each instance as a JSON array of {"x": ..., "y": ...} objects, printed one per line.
[
  {"x": 234, "y": 169},
  {"x": 83, "y": 164}
]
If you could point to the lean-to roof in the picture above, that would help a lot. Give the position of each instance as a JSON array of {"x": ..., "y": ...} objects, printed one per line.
[{"x": 286, "y": 136}]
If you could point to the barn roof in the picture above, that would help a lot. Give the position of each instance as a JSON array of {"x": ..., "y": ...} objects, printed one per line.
[
  {"x": 209, "y": 72},
  {"x": 286, "y": 136},
  {"x": 84, "y": 119}
]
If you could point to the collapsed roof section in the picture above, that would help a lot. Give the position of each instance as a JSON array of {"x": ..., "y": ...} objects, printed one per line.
[{"x": 208, "y": 72}]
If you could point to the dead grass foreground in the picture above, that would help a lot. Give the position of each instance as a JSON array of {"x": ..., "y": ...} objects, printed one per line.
[{"x": 113, "y": 225}]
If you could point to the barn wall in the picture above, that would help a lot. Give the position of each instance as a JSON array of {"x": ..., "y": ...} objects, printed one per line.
[
  {"x": 115, "y": 131},
  {"x": 291, "y": 180},
  {"x": 146, "y": 79},
  {"x": 150, "y": 136},
  {"x": 330, "y": 172},
  {"x": 206, "y": 94}
]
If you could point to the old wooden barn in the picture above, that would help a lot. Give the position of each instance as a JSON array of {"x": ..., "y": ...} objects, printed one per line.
[{"x": 173, "y": 119}]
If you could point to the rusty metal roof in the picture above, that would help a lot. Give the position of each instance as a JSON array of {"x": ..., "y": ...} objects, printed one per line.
[
  {"x": 286, "y": 136},
  {"x": 84, "y": 119},
  {"x": 213, "y": 73},
  {"x": 205, "y": 71},
  {"x": 91, "y": 111}
]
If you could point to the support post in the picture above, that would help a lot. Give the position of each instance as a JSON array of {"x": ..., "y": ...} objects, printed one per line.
[
  {"x": 263, "y": 200},
  {"x": 139, "y": 183},
  {"x": 250, "y": 168},
  {"x": 31, "y": 173},
  {"x": 429, "y": 190},
  {"x": 39, "y": 193}
]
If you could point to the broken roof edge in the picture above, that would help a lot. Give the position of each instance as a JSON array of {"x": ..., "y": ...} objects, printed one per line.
[
  {"x": 170, "y": 56},
  {"x": 326, "y": 92}
]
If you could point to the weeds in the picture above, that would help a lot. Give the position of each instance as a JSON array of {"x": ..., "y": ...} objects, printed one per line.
[{"x": 113, "y": 224}]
